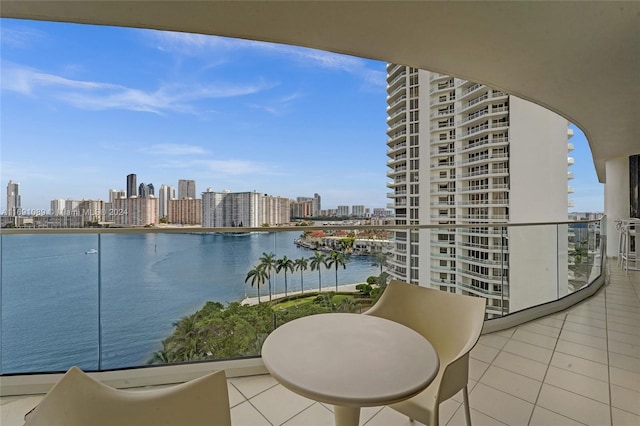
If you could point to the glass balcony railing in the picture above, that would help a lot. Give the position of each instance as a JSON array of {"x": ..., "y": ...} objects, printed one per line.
[{"x": 118, "y": 298}]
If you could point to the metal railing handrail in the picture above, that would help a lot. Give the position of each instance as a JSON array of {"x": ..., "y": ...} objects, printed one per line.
[{"x": 197, "y": 229}]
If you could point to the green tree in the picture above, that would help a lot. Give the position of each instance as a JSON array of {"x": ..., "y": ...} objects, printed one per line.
[
  {"x": 286, "y": 264},
  {"x": 347, "y": 244},
  {"x": 337, "y": 259},
  {"x": 301, "y": 265},
  {"x": 188, "y": 345},
  {"x": 316, "y": 263},
  {"x": 258, "y": 277},
  {"x": 268, "y": 261},
  {"x": 380, "y": 259}
]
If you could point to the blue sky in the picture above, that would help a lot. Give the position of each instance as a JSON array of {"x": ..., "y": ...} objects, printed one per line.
[{"x": 83, "y": 106}]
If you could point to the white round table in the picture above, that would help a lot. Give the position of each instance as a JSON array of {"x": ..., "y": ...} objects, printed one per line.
[{"x": 350, "y": 361}]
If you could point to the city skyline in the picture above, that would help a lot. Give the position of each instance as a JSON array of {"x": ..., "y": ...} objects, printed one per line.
[{"x": 229, "y": 114}]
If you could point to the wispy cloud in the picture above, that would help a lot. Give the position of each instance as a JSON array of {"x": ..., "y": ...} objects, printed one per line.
[
  {"x": 175, "y": 149},
  {"x": 219, "y": 167},
  {"x": 278, "y": 106},
  {"x": 92, "y": 95},
  {"x": 19, "y": 37},
  {"x": 198, "y": 44}
]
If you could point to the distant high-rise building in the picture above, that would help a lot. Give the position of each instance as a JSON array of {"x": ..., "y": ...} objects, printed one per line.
[
  {"x": 301, "y": 209},
  {"x": 230, "y": 209},
  {"x": 13, "y": 199},
  {"x": 131, "y": 185},
  {"x": 186, "y": 188},
  {"x": 187, "y": 211},
  {"x": 464, "y": 153},
  {"x": 343, "y": 211},
  {"x": 57, "y": 207},
  {"x": 145, "y": 190},
  {"x": 274, "y": 210},
  {"x": 91, "y": 210},
  {"x": 71, "y": 207},
  {"x": 166, "y": 193},
  {"x": 135, "y": 211},
  {"x": 114, "y": 195},
  {"x": 243, "y": 209},
  {"x": 316, "y": 205},
  {"x": 357, "y": 211}
]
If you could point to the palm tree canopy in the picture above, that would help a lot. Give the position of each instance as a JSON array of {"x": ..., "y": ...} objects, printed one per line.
[
  {"x": 318, "y": 260},
  {"x": 284, "y": 263},
  {"x": 337, "y": 259},
  {"x": 301, "y": 264},
  {"x": 257, "y": 275},
  {"x": 268, "y": 260}
]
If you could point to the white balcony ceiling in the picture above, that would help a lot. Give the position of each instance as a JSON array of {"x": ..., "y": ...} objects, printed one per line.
[{"x": 580, "y": 59}]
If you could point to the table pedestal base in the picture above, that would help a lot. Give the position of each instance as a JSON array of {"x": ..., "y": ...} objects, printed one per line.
[{"x": 346, "y": 416}]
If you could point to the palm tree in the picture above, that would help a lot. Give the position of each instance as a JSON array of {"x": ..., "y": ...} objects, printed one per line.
[
  {"x": 258, "y": 276},
  {"x": 286, "y": 264},
  {"x": 337, "y": 259},
  {"x": 301, "y": 264},
  {"x": 268, "y": 261},
  {"x": 380, "y": 259},
  {"x": 316, "y": 262}
]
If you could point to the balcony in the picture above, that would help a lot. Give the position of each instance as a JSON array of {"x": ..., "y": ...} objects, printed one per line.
[
  {"x": 582, "y": 361},
  {"x": 578, "y": 365}
]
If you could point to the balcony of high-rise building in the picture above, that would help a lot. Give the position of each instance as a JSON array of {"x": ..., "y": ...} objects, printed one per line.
[{"x": 566, "y": 353}]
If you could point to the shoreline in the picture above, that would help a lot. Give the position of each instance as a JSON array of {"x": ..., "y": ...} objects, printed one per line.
[{"x": 265, "y": 297}]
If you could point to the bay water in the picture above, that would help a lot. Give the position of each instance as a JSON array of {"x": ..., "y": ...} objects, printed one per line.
[{"x": 56, "y": 313}]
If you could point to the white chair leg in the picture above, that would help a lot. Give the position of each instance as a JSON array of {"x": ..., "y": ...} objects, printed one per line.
[{"x": 467, "y": 410}]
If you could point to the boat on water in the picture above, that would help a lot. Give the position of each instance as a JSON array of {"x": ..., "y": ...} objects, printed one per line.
[{"x": 91, "y": 251}]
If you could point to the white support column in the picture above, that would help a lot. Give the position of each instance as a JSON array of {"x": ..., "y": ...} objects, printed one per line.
[{"x": 616, "y": 199}]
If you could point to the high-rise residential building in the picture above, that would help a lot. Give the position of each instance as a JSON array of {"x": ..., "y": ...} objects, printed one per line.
[
  {"x": 461, "y": 152},
  {"x": 91, "y": 210},
  {"x": 14, "y": 205},
  {"x": 230, "y": 209},
  {"x": 243, "y": 209},
  {"x": 358, "y": 211},
  {"x": 166, "y": 193},
  {"x": 71, "y": 207},
  {"x": 145, "y": 190},
  {"x": 131, "y": 185},
  {"x": 57, "y": 207},
  {"x": 301, "y": 209},
  {"x": 135, "y": 211},
  {"x": 274, "y": 210},
  {"x": 343, "y": 211},
  {"x": 186, "y": 188},
  {"x": 317, "y": 206},
  {"x": 187, "y": 211}
]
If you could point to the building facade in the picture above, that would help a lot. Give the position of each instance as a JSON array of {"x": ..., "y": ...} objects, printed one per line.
[
  {"x": 186, "y": 211},
  {"x": 166, "y": 193},
  {"x": 135, "y": 211},
  {"x": 14, "y": 204},
  {"x": 274, "y": 210},
  {"x": 463, "y": 153},
  {"x": 243, "y": 209},
  {"x": 131, "y": 185},
  {"x": 186, "y": 188}
]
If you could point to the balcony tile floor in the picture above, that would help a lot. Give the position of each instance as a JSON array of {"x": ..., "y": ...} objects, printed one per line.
[{"x": 577, "y": 367}]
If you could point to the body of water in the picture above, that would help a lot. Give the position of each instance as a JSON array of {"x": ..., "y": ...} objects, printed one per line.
[{"x": 50, "y": 295}]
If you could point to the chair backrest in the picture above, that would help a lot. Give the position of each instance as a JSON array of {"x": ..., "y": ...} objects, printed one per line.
[
  {"x": 78, "y": 399},
  {"x": 451, "y": 322}
]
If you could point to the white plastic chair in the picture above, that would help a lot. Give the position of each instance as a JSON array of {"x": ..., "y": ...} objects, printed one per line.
[
  {"x": 78, "y": 399},
  {"x": 452, "y": 323}
]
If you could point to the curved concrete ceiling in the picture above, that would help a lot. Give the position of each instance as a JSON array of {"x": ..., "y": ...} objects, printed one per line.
[{"x": 580, "y": 59}]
